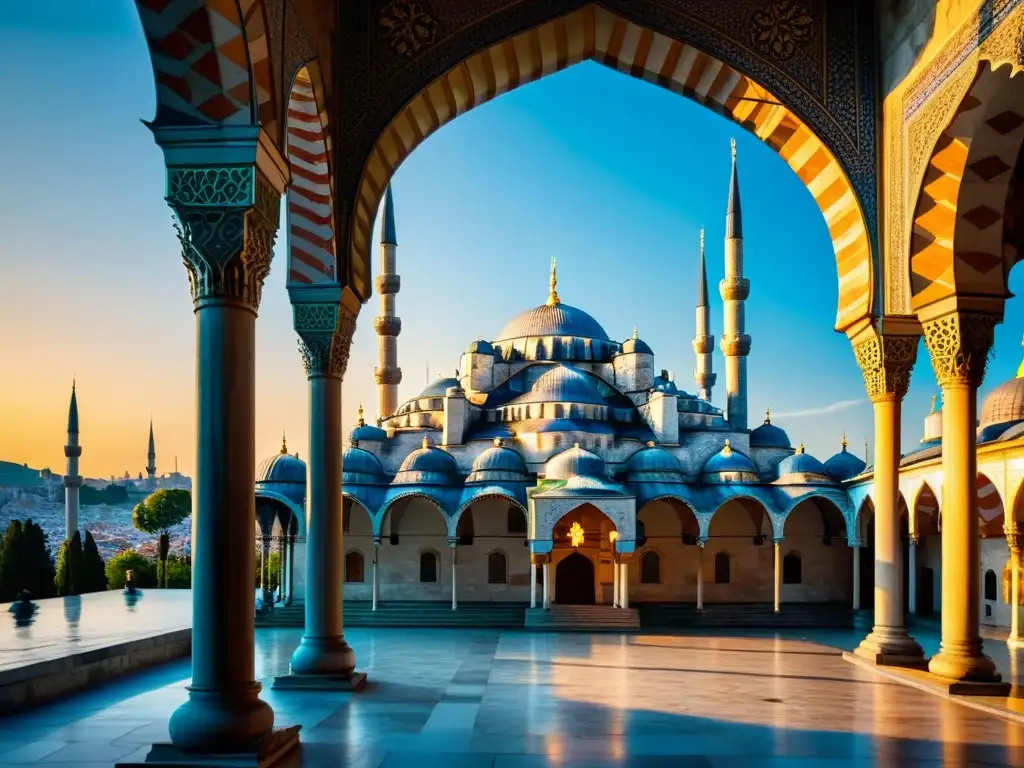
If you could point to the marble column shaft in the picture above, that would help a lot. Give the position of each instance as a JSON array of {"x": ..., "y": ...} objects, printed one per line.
[
  {"x": 856, "y": 576},
  {"x": 912, "y": 576},
  {"x": 777, "y": 575}
]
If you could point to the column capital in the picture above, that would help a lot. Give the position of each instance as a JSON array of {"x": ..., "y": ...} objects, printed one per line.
[
  {"x": 1014, "y": 539},
  {"x": 886, "y": 362},
  {"x": 959, "y": 344},
  {"x": 325, "y": 331},
  {"x": 776, "y": 540}
]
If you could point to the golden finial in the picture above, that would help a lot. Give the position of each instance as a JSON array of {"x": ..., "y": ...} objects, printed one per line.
[
  {"x": 650, "y": 443},
  {"x": 296, "y": 454},
  {"x": 426, "y": 441},
  {"x": 934, "y": 401},
  {"x": 732, "y": 145},
  {"x": 553, "y": 294},
  {"x": 844, "y": 439},
  {"x": 284, "y": 444},
  {"x": 576, "y": 445},
  {"x": 727, "y": 448},
  {"x": 800, "y": 449},
  {"x": 866, "y": 455},
  {"x": 768, "y": 415},
  {"x": 636, "y": 335},
  {"x": 497, "y": 442},
  {"x": 362, "y": 421}
]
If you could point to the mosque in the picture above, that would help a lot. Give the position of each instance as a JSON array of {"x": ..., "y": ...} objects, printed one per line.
[{"x": 561, "y": 466}]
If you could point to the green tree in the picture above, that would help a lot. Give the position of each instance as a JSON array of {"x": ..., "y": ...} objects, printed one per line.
[
  {"x": 70, "y": 575},
  {"x": 39, "y": 564},
  {"x": 157, "y": 513},
  {"x": 179, "y": 573},
  {"x": 94, "y": 574},
  {"x": 143, "y": 569},
  {"x": 12, "y": 564},
  {"x": 274, "y": 562}
]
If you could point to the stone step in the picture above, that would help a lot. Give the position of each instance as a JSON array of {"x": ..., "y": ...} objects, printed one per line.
[
  {"x": 409, "y": 614},
  {"x": 582, "y": 618},
  {"x": 668, "y": 616}
]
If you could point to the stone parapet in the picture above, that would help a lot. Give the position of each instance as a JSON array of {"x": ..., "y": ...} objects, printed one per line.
[
  {"x": 388, "y": 375},
  {"x": 737, "y": 345},
  {"x": 734, "y": 288},
  {"x": 387, "y": 284},
  {"x": 387, "y": 325}
]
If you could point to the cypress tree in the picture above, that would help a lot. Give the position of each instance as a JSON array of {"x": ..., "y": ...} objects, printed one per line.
[
  {"x": 94, "y": 575},
  {"x": 61, "y": 579},
  {"x": 39, "y": 564},
  {"x": 12, "y": 566}
]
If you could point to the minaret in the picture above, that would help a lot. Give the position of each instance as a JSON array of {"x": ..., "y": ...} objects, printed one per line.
[
  {"x": 734, "y": 289},
  {"x": 151, "y": 463},
  {"x": 553, "y": 285},
  {"x": 72, "y": 480},
  {"x": 703, "y": 341},
  {"x": 387, "y": 324}
]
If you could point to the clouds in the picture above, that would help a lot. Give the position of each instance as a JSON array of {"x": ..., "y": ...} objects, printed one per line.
[{"x": 837, "y": 407}]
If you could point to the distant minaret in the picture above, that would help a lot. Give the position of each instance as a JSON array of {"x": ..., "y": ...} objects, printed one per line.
[
  {"x": 387, "y": 324},
  {"x": 151, "y": 464},
  {"x": 72, "y": 480},
  {"x": 734, "y": 289},
  {"x": 703, "y": 341}
]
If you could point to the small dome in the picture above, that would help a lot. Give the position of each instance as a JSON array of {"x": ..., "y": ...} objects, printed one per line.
[
  {"x": 801, "y": 463},
  {"x": 563, "y": 383},
  {"x": 729, "y": 465},
  {"x": 438, "y": 388},
  {"x": 429, "y": 466},
  {"x": 498, "y": 463},
  {"x": 480, "y": 347},
  {"x": 635, "y": 345},
  {"x": 653, "y": 463},
  {"x": 1004, "y": 404},
  {"x": 574, "y": 461},
  {"x": 768, "y": 435},
  {"x": 361, "y": 467},
  {"x": 282, "y": 467},
  {"x": 844, "y": 464},
  {"x": 364, "y": 431}
]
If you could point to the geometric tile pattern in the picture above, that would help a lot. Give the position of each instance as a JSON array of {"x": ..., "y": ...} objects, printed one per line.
[
  {"x": 958, "y": 242},
  {"x": 211, "y": 60},
  {"x": 990, "y": 505},
  {"x": 311, "y": 251},
  {"x": 596, "y": 34}
]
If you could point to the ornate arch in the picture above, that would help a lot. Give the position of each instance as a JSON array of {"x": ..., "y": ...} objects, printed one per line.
[
  {"x": 597, "y": 34},
  {"x": 774, "y": 519},
  {"x": 211, "y": 61},
  {"x": 990, "y": 506},
  {"x": 297, "y": 512},
  {"x": 492, "y": 494},
  {"x": 836, "y": 527},
  {"x": 686, "y": 504},
  {"x": 382, "y": 513}
]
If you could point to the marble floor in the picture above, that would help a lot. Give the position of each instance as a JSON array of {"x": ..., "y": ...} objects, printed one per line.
[{"x": 457, "y": 698}]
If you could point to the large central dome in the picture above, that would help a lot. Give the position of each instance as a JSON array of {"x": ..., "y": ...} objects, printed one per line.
[{"x": 552, "y": 320}]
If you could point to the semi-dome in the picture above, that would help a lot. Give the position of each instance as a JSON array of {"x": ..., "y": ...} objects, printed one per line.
[
  {"x": 574, "y": 461},
  {"x": 844, "y": 465},
  {"x": 768, "y": 435},
  {"x": 566, "y": 384},
  {"x": 496, "y": 464},
  {"x": 439, "y": 387},
  {"x": 428, "y": 465},
  {"x": 359, "y": 467},
  {"x": 480, "y": 347},
  {"x": 282, "y": 467},
  {"x": 653, "y": 464},
  {"x": 729, "y": 466},
  {"x": 801, "y": 463},
  {"x": 635, "y": 345},
  {"x": 364, "y": 431}
]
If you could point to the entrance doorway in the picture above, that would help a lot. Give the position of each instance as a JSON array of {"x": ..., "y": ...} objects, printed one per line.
[{"x": 574, "y": 580}]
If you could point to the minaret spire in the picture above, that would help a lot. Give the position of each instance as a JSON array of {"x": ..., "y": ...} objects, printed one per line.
[
  {"x": 72, "y": 480},
  {"x": 151, "y": 460},
  {"x": 552, "y": 285},
  {"x": 735, "y": 289},
  {"x": 388, "y": 325},
  {"x": 703, "y": 341}
]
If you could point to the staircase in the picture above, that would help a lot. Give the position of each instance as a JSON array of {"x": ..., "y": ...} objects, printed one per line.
[
  {"x": 582, "y": 618},
  {"x": 409, "y": 613},
  {"x": 677, "y": 615}
]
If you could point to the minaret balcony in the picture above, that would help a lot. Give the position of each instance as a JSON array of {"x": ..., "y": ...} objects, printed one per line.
[
  {"x": 734, "y": 288},
  {"x": 704, "y": 379},
  {"x": 703, "y": 345},
  {"x": 388, "y": 284},
  {"x": 386, "y": 325},
  {"x": 736, "y": 345},
  {"x": 72, "y": 451},
  {"x": 388, "y": 375}
]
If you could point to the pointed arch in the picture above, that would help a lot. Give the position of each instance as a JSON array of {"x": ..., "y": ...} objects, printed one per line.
[
  {"x": 990, "y": 507},
  {"x": 597, "y": 34},
  {"x": 755, "y": 509}
]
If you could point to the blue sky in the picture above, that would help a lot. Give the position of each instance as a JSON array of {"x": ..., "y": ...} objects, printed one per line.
[{"x": 611, "y": 175}]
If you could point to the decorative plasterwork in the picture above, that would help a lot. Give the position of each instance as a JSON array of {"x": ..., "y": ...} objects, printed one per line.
[
  {"x": 886, "y": 362},
  {"x": 959, "y": 345}
]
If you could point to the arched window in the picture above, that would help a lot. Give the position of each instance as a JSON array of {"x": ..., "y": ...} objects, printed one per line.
[
  {"x": 428, "y": 567},
  {"x": 991, "y": 585},
  {"x": 516, "y": 520},
  {"x": 650, "y": 568},
  {"x": 792, "y": 569},
  {"x": 354, "y": 567},
  {"x": 722, "y": 568},
  {"x": 497, "y": 568}
]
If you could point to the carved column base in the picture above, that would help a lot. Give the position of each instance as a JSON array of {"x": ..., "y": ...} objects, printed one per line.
[
  {"x": 964, "y": 663},
  {"x": 892, "y": 647}
]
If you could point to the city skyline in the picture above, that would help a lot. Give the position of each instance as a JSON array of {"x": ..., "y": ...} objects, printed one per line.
[{"x": 555, "y": 168}]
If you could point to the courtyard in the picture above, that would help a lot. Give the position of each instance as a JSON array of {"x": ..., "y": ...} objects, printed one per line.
[{"x": 458, "y": 698}]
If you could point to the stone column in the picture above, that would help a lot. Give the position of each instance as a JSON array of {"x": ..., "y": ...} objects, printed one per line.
[
  {"x": 289, "y": 547},
  {"x": 615, "y": 580},
  {"x": 886, "y": 362},
  {"x": 1013, "y": 541},
  {"x": 376, "y": 560},
  {"x": 624, "y": 584},
  {"x": 912, "y": 574},
  {"x": 454, "y": 544},
  {"x": 777, "y": 582},
  {"x": 325, "y": 327},
  {"x": 855, "y": 546},
  {"x": 700, "y": 574},
  {"x": 959, "y": 345},
  {"x": 533, "y": 585},
  {"x": 547, "y": 585},
  {"x": 224, "y": 185}
]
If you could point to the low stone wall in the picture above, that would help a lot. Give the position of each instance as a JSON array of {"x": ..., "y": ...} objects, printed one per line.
[{"x": 36, "y": 684}]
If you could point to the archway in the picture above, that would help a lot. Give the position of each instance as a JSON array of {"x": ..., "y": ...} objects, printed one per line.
[
  {"x": 357, "y": 526},
  {"x": 815, "y": 532},
  {"x": 597, "y": 34},
  {"x": 410, "y": 525},
  {"x": 670, "y": 532},
  {"x": 741, "y": 529},
  {"x": 498, "y": 526},
  {"x": 929, "y": 551},
  {"x": 587, "y": 531},
  {"x": 574, "y": 580},
  {"x": 994, "y": 554}
]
